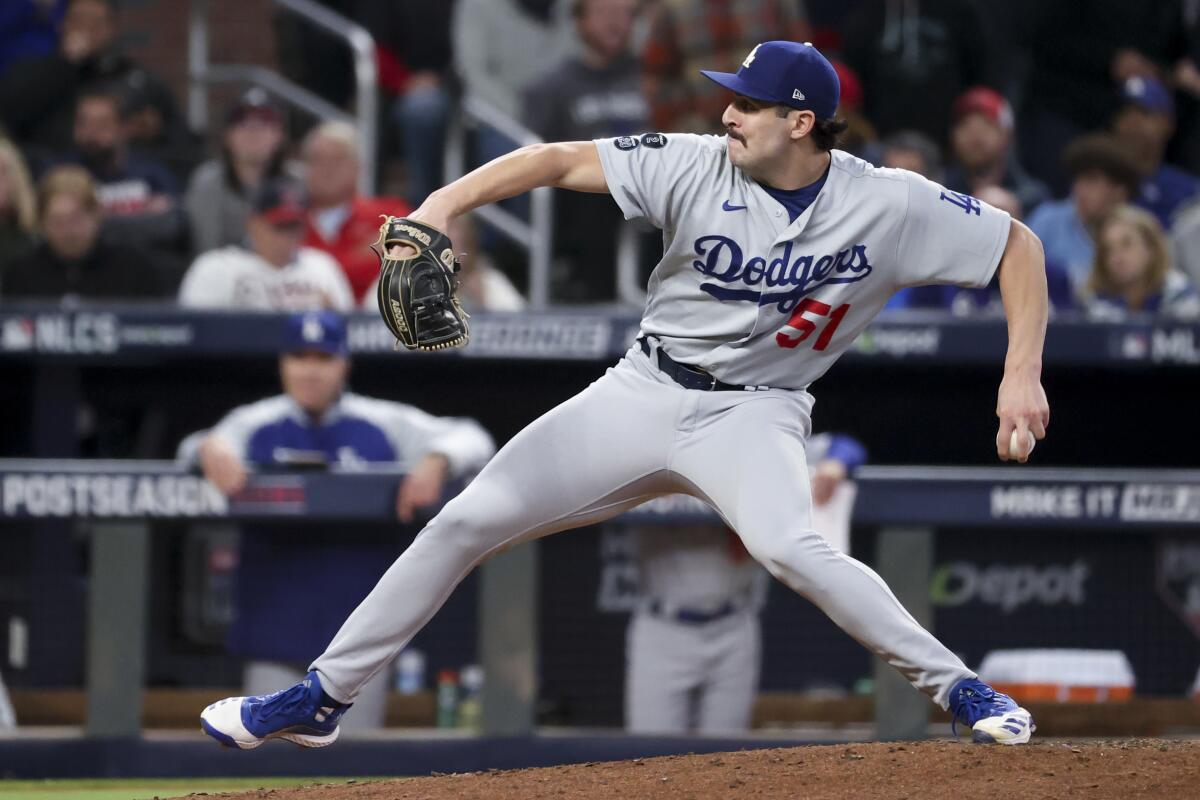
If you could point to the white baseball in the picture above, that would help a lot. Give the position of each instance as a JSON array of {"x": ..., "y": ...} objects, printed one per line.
[{"x": 1015, "y": 450}]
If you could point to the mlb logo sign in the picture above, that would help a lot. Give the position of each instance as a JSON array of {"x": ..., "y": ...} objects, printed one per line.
[{"x": 17, "y": 335}]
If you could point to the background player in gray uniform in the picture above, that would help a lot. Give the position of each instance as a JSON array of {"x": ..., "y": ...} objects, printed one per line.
[
  {"x": 747, "y": 307},
  {"x": 694, "y": 640}
]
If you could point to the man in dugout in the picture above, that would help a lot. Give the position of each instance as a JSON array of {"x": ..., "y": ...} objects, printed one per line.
[{"x": 317, "y": 422}]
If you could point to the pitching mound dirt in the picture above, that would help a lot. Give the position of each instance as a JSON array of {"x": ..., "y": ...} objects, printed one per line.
[{"x": 923, "y": 770}]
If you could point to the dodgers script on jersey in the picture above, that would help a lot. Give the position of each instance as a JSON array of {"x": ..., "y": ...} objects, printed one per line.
[{"x": 755, "y": 300}]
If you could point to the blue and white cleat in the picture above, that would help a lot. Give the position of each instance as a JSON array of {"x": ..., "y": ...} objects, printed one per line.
[
  {"x": 993, "y": 718},
  {"x": 294, "y": 714}
]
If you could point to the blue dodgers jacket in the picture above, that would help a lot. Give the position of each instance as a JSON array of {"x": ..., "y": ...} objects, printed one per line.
[{"x": 297, "y": 584}]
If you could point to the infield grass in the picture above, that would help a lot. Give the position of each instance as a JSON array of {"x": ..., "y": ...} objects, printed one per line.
[{"x": 145, "y": 789}]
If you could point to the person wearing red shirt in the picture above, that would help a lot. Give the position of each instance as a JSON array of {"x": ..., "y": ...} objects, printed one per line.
[{"x": 340, "y": 221}]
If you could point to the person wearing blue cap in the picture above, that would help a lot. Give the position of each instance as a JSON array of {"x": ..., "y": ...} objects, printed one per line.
[
  {"x": 1145, "y": 123},
  {"x": 778, "y": 250},
  {"x": 317, "y": 423}
]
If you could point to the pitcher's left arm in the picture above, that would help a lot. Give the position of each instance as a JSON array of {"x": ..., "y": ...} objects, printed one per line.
[{"x": 1021, "y": 404}]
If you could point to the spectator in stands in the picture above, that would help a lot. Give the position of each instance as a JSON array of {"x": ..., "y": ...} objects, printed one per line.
[
  {"x": 1104, "y": 176},
  {"x": 687, "y": 35},
  {"x": 274, "y": 272},
  {"x": 18, "y": 207},
  {"x": 592, "y": 94},
  {"x": 1003, "y": 199},
  {"x": 72, "y": 261},
  {"x": 314, "y": 423},
  {"x": 482, "y": 287},
  {"x": 694, "y": 653},
  {"x": 1079, "y": 51},
  {"x": 1186, "y": 77},
  {"x": 860, "y": 137},
  {"x": 501, "y": 46},
  {"x": 37, "y": 95},
  {"x": 1185, "y": 241},
  {"x": 140, "y": 197},
  {"x": 1145, "y": 124},
  {"x": 28, "y": 29},
  {"x": 152, "y": 135},
  {"x": 913, "y": 151},
  {"x": 412, "y": 39},
  {"x": 915, "y": 59},
  {"x": 1132, "y": 271},
  {"x": 981, "y": 143},
  {"x": 219, "y": 193},
  {"x": 342, "y": 222}
]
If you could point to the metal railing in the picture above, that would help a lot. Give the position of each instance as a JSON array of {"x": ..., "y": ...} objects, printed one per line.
[
  {"x": 202, "y": 72},
  {"x": 537, "y": 235}
]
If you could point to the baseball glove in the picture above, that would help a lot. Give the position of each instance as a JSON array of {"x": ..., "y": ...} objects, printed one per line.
[{"x": 417, "y": 294}]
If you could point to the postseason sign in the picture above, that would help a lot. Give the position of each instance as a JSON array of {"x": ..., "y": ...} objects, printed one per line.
[{"x": 99, "y": 495}]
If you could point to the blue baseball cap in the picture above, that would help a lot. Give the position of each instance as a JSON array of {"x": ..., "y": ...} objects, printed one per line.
[
  {"x": 1148, "y": 94},
  {"x": 316, "y": 330},
  {"x": 789, "y": 73}
]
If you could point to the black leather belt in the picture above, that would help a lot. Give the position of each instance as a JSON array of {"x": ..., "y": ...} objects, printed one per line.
[
  {"x": 689, "y": 616},
  {"x": 687, "y": 376}
]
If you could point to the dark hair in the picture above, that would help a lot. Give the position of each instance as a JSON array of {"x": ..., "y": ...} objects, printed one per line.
[
  {"x": 910, "y": 141},
  {"x": 1103, "y": 153},
  {"x": 826, "y": 133},
  {"x": 110, "y": 93}
]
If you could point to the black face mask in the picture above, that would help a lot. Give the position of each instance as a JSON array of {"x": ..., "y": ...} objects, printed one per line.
[
  {"x": 538, "y": 8},
  {"x": 97, "y": 158}
]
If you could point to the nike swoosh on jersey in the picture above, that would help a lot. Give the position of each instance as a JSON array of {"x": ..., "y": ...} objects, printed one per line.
[{"x": 727, "y": 207}]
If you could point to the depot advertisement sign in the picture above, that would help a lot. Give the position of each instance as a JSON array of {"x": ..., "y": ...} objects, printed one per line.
[{"x": 1009, "y": 587}]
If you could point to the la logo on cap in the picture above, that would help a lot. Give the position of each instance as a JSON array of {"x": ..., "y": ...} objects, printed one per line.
[
  {"x": 750, "y": 58},
  {"x": 311, "y": 330}
]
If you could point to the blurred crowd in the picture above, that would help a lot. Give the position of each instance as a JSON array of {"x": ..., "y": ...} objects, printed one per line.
[{"x": 1080, "y": 117}]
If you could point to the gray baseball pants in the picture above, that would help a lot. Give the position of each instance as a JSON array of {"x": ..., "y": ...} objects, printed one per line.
[
  {"x": 632, "y": 435},
  {"x": 682, "y": 678}
]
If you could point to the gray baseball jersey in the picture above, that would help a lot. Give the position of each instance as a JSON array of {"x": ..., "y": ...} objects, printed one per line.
[
  {"x": 791, "y": 296},
  {"x": 757, "y": 301}
]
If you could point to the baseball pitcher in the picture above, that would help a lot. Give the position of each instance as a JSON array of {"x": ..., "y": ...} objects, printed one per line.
[{"x": 778, "y": 250}]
